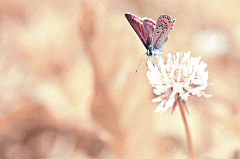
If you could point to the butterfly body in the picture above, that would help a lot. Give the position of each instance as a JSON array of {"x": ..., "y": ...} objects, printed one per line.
[{"x": 153, "y": 35}]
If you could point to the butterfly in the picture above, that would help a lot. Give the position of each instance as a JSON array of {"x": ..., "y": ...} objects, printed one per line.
[{"x": 152, "y": 35}]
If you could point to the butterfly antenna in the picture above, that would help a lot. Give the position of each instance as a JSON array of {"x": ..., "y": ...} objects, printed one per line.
[{"x": 140, "y": 62}]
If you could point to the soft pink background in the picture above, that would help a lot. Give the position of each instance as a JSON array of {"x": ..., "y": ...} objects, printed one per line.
[{"x": 68, "y": 87}]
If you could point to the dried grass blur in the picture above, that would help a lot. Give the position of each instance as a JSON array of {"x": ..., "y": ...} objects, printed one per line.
[{"x": 68, "y": 87}]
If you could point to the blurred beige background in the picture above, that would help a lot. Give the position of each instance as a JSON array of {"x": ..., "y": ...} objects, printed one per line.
[{"x": 68, "y": 87}]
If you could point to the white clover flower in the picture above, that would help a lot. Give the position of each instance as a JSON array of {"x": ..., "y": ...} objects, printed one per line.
[{"x": 176, "y": 79}]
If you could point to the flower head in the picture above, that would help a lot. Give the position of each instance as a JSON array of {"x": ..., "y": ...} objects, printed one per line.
[{"x": 176, "y": 79}]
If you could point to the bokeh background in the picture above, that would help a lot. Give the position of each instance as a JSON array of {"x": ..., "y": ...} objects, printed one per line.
[{"x": 68, "y": 87}]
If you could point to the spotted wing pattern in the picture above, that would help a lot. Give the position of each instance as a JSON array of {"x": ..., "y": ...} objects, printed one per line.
[
  {"x": 143, "y": 27},
  {"x": 164, "y": 25}
]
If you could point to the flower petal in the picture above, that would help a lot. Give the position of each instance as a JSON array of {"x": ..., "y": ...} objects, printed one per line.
[{"x": 180, "y": 76}]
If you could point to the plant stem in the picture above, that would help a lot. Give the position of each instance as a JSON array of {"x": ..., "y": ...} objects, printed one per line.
[{"x": 190, "y": 145}]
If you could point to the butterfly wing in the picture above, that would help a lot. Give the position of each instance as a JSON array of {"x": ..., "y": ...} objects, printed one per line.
[
  {"x": 143, "y": 27},
  {"x": 149, "y": 26},
  {"x": 164, "y": 25}
]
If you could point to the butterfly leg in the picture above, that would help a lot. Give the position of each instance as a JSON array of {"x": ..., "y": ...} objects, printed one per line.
[
  {"x": 154, "y": 60},
  {"x": 147, "y": 61},
  {"x": 166, "y": 51},
  {"x": 181, "y": 55},
  {"x": 151, "y": 61}
]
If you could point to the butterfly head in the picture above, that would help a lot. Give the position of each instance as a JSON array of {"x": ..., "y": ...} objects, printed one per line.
[{"x": 149, "y": 51}]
